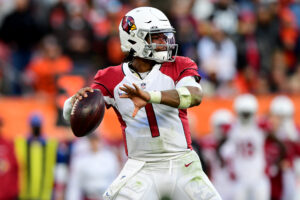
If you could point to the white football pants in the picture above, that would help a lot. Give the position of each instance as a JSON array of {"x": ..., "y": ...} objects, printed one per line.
[
  {"x": 178, "y": 179},
  {"x": 256, "y": 190}
]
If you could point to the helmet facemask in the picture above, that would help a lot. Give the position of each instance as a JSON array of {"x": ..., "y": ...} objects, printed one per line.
[
  {"x": 246, "y": 117},
  {"x": 159, "y": 52}
]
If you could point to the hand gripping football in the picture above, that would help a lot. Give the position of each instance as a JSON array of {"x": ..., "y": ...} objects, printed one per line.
[{"x": 87, "y": 113}]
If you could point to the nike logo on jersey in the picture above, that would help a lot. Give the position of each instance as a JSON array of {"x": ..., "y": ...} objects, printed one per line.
[{"x": 186, "y": 165}]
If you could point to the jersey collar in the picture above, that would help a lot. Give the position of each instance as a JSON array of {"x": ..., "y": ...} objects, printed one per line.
[{"x": 129, "y": 73}]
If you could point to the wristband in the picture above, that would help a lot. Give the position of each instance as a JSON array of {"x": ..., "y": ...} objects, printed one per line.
[
  {"x": 185, "y": 97},
  {"x": 155, "y": 97},
  {"x": 67, "y": 109}
]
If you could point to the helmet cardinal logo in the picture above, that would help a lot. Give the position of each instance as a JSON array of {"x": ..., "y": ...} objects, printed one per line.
[{"x": 128, "y": 24}]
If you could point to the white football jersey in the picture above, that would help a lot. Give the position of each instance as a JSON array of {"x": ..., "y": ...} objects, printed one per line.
[
  {"x": 245, "y": 146},
  {"x": 158, "y": 131}
]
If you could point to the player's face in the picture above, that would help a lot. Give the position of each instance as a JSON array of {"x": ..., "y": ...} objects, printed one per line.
[
  {"x": 245, "y": 117},
  {"x": 275, "y": 122},
  {"x": 161, "y": 39}
]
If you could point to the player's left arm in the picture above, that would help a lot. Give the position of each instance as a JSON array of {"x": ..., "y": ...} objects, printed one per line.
[{"x": 188, "y": 93}]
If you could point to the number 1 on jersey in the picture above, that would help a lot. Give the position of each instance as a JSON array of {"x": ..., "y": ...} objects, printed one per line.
[{"x": 152, "y": 120}]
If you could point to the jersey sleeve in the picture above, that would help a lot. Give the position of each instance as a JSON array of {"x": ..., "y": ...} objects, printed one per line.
[
  {"x": 99, "y": 83},
  {"x": 187, "y": 67},
  {"x": 106, "y": 80},
  {"x": 188, "y": 81}
]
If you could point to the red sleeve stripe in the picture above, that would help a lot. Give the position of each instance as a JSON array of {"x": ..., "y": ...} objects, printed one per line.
[
  {"x": 192, "y": 74},
  {"x": 184, "y": 120},
  {"x": 110, "y": 94}
]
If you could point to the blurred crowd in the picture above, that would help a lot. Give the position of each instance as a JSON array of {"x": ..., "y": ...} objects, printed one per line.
[{"x": 239, "y": 45}]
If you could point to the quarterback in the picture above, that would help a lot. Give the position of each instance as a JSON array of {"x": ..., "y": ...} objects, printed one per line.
[{"x": 150, "y": 92}]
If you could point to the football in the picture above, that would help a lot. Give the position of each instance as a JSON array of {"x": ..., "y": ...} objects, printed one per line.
[{"x": 87, "y": 113}]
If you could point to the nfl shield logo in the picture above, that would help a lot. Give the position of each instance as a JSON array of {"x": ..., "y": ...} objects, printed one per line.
[{"x": 143, "y": 86}]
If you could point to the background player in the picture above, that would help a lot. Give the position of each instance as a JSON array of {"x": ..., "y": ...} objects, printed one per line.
[
  {"x": 245, "y": 149},
  {"x": 221, "y": 121},
  {"x": 150, "y": 93},
  {"x": 8, "y": 168},
  {"x": 89, "y": 183},
  {"x": 284, "y": 128}
]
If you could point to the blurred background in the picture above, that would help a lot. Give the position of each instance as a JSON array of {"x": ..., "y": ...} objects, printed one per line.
[{"x": 51, "y": 48}]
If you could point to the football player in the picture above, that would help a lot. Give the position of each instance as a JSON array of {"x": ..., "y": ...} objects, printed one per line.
[
  {"x": 8, "y": 168},
  {"x": 150, "y": 92},
  {"x": 245, "y": 148},
  {"x": 219, "y": 173},
  {"x": 90, "y": 182},
  {"x": 282, "y": 111}
]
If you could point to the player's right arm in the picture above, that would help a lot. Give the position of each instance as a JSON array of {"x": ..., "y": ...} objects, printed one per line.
[
  {"x": 82, "y": 93},
  {"x": 103, "y": 82}
]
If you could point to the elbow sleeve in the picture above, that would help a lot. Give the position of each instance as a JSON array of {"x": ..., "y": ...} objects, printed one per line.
[{"x": 67, "y": 109}]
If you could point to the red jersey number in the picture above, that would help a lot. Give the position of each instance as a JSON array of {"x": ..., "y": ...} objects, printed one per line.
[
  {"x": 246, "y": 148},
  {"x": 152, "y": 120}
]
